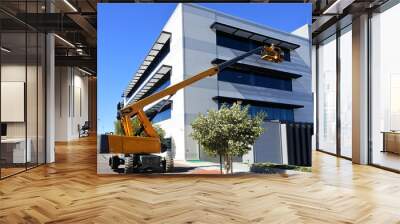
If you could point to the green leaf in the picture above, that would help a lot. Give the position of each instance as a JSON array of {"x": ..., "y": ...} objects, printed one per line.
[{"x": 227, "y": 131}]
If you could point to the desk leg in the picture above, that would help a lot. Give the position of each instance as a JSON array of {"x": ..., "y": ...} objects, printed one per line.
[{"x": 384, "y": 142}]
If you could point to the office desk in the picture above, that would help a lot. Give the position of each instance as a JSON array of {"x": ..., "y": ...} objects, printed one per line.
[
  {"x": 391, "y": 142},
  {"x": 13, "y": 150}
]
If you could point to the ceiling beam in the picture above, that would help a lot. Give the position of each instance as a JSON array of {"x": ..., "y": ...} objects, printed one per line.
[{"x": 81, "y": 61}]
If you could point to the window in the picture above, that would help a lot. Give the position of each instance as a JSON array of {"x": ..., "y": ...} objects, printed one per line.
[
  {"x": 346, "y": 92},
  {"x": 385, "y": 89},
  {"x": 271, "y": 112},
  {"x": 254, "y": 79},
  {"x": 242, "y": 44},
  {"x": 334, "y": 100},
  {"x": 327, "y": 95},
  {"x": 163, "y": 115},
  {"x": 22, "y": 87}
]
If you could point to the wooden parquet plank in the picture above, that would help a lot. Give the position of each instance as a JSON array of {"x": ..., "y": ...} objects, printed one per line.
[{"x": 70, "y": 191}]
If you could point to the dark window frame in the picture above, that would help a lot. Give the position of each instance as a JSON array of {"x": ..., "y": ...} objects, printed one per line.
[
  {"x": 243, "y": 44},
  {"x": 256, "y": 107},
  {"x": 255, "y": 79}
]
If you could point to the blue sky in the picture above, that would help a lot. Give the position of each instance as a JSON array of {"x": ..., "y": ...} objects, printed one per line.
[{"x": 127, "y": 31}]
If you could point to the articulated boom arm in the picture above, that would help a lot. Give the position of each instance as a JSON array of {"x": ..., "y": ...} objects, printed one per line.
[
  {"x": 269, "y": 53},
  {"x": 137, "y": 108}
]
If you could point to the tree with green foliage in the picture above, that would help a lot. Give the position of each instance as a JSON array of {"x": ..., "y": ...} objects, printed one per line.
[
  {"x": 227, "y": 132},
  {"x": 136, "y": 126}
]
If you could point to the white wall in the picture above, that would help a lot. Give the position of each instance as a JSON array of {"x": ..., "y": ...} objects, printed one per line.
[
  {"x": 303, "y": 31},
  {"x": 17, "y": 73},
  {"x": 33, "y": 125},
  {"x": 71, "y": 102},
  {"x": 200, "y": 49},
  {"x": 14, "y": 73},
  {"x": 174, "y": 127}
]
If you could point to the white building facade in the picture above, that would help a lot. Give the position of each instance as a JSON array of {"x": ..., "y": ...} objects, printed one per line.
[{"x": 195, "y": 38}]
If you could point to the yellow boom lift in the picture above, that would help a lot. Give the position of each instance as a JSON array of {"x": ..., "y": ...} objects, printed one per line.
[{"x": 146, "y": 153}]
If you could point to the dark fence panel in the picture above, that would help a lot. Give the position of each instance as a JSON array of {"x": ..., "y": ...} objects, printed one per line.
[{"x": 299, "y": 143}]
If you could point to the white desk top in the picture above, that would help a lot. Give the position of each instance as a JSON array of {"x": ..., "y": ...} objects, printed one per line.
[{"x": 13, "y": 140}]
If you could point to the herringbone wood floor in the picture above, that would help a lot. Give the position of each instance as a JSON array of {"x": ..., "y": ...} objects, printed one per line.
[{"x": 69, "y": 191}]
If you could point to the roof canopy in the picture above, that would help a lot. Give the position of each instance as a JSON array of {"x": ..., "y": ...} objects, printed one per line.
[
  {"x": 253, "y": 36},
  {"x": 162, "y": 71},
  {"x": 155, "y": 49}
]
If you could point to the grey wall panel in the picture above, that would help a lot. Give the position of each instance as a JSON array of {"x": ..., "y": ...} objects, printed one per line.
[
  {"x": 268, "y": 147},
  {"x": 234, "y": 90}
]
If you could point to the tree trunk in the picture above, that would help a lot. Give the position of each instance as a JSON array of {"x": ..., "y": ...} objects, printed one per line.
[
  {"x": 227, "y": 164},
  {"x": 220, "y": 163},
  {"x": 231, "y": 161}
]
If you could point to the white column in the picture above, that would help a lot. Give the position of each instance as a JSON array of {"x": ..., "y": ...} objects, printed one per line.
[
  {"x": 360, "y": 90},
  {"x": 50, "y": 99},
  {"x": 50, "y": 92}
]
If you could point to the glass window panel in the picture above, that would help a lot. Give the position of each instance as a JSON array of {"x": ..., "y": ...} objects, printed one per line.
[
  {"x": 31, "y": 98},
  {"x": 163, "y": 115},
  {"x": 327, "y": 95},
  {"x": 242, "y": 44},
  {"x": 385, "y": 89},
  {"x": 13, "y": 84},
  {"x": 346, "y": 92},
  {"x": 22, "y": 63},
  {"x": 272, "y": 113},
  {"x": 248, "y": 78},
  {"x": 231, "y": 41}
]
